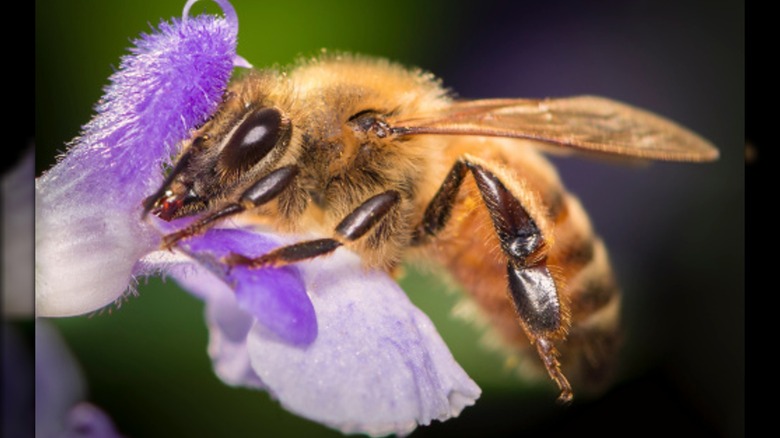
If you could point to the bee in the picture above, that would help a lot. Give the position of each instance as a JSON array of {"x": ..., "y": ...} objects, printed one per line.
[{"x": 382, "y": 159}]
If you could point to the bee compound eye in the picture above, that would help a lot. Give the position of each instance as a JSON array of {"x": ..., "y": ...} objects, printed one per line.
[{"x": 253, "y": 140}]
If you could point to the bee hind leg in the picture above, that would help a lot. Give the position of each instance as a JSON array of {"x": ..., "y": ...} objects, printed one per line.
[
  {"x": 354, "y": 226},
  {"x": 531, "y": 286}
]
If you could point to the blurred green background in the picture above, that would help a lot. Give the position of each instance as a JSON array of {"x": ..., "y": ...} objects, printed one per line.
[{"x": 675, "y": 231}]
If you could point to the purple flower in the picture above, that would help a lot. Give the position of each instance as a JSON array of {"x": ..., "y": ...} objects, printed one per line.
[
  {"x": 89, "y": 204},
  {"x": 330, "y": 340},
  {"x": 60, "y": 409}
]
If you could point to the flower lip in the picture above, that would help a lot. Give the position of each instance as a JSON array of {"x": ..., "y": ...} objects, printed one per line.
[
  {"x": 276, "y": 297},
  {"x": 377, "y": 367}
]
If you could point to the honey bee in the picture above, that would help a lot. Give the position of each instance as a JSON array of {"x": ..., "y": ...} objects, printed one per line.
[{"x": 381, "y": 159}]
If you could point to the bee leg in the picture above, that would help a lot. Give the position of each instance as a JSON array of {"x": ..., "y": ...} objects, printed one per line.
[
  {"x": 351, "y": 228},
  {"x": 536, "y": 300},
  {"x": 531, "y": 286},
  {"x": 440, "y": 208},
  {"x": 549, "y": 356},
  {"x": 261, "y": 192}
]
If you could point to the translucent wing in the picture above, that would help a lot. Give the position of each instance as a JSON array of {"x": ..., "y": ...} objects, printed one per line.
[{"x": 584, "y": 123}]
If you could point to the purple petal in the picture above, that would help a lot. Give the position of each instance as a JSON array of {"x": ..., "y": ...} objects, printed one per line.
[
  {"x": 171, "y": 82},
  {"x": 378, "y": 365},
  {"x": 59, "y": 392},
  {"x": 58, "y": 381},
  {"x": 88, "y": 232},
  {"x": 86, "y": 420},
  {"x": 276, "y": 297}
]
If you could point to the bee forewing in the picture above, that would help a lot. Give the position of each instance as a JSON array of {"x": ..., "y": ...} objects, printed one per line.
[{"x": 585, "y": 123}]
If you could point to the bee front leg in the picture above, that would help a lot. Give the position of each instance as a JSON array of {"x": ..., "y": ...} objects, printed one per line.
[
  {"x": 354, "y": 226},
  {"x": 261, "y": 192},
  {"x": 531, "y": 286}
]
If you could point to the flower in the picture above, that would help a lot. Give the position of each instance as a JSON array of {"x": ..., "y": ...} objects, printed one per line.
[
  {"x": 169, "y": 83},
  {"x": 56, "y": 394},
  {"x": 331, "y": 341},
  {"x": 60, "y": 409}
]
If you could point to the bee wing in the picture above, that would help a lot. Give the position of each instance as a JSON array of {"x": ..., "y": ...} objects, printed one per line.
[{"x": 584, "y": 123}]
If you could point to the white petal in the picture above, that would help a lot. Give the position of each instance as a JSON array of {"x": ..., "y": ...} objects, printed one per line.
[
  {"x": 378, "y": 365},
  {"x": 84, "y": 254}
]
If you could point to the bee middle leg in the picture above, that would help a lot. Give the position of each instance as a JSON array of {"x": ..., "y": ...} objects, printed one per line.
[
  {"x": 530, "y": 284},
  {"x": 354, "y": 226}
]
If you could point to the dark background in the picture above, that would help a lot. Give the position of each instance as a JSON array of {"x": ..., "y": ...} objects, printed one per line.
[{"x": 675, "y": 231}]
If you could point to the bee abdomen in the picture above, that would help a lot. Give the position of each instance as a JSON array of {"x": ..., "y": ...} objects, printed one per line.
[{"x": 589, "y": 353}]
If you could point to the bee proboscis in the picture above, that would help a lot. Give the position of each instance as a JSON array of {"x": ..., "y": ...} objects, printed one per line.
[{"x": 382, "y": 160}]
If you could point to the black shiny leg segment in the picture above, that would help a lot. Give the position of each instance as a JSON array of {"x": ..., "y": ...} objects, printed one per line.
[
  {"x": 536, "y": 300},
  {"x": 531, "y": 286},
  {"x": 439, "y": 209},
  {"x": 286, "y": 254},
  {"x": 356, "y": 225}
]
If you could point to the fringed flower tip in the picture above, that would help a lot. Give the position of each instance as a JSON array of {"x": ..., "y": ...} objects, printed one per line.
[
  {"x": 88, "y": 235},
  {"x": 377, "y": 365}
]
